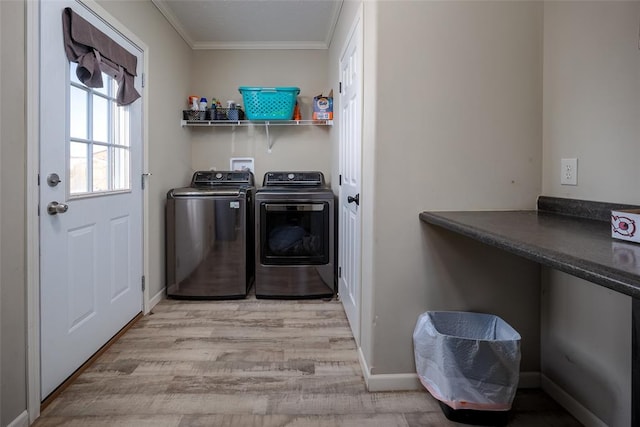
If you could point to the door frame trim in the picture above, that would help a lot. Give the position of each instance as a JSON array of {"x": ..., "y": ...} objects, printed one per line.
[
  {"x": 32, "y": 193},
  {"x": 33, "y": 233}
]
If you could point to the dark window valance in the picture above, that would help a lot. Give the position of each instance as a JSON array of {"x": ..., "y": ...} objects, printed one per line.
[{"x": 95, "y": 52}]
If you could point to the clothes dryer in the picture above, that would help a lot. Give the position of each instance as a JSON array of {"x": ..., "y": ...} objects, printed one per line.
[{"x": 295, "y": 236}]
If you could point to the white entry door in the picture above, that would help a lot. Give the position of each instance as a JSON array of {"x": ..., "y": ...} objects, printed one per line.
[
  {"x": 90, "y": 205},
  {"x": 349, "y": 281}
]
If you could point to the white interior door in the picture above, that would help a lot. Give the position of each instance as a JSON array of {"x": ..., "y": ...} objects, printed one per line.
[
  {"x": 349, "y": 278},
  {"x": 91, "y": 241}
]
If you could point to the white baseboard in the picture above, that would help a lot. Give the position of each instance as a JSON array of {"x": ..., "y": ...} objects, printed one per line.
[
  {"x": 575, "y": 408},
  {"x": 408, "y": 382},
  {"x": 156, "y": 299},
  {"x": 394, "y": 382},
  {"x": 387, "y": 382},
  {"x": 21, "y": 420}
]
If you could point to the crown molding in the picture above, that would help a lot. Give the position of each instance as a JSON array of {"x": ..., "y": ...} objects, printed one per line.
[
  {"x": 258, "y": 45},
  {"x": 175, "y": 23}
]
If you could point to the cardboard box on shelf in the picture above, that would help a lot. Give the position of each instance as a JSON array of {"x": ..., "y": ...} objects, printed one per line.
[{"x": 323, "y": 107}]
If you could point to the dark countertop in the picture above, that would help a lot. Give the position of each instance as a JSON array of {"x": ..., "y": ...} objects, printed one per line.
[{"x": 577, "y": 246}]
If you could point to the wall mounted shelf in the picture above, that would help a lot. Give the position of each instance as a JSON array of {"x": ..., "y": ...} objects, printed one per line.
[
  {"x": 227, "y": 123},
  {"x": 245, "y": 123}
]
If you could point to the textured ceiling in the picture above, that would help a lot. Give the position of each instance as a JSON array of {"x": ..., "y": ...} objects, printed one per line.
[{"x": 253, "y": 24}]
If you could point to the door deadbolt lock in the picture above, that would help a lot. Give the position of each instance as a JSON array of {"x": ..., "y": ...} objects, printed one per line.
[
  {"x": 55, "y": 208},
  {"x": 53, "y": 179}
]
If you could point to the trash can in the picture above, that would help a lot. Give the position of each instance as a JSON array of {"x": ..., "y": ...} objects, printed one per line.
[{"x": 469, "y": 362}]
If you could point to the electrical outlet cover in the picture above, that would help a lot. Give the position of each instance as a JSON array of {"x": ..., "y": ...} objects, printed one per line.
[{"x": 569, "y": 172}]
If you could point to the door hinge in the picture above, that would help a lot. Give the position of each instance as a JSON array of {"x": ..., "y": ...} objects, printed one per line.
[
  {"x": 339, "y": 272},
  {"x": 340, "y": 179},
  {"x": 38, "y": 180},
  {"x": 143, "y": 79},
  {"x": 144, "y": 285},
  {"x": 340, "y": 87}
]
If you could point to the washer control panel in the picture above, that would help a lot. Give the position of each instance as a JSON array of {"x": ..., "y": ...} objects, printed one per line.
[{"x": 212, "y": 178}]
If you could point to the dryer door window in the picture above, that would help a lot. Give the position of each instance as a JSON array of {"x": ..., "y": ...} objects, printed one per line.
[{"x": 294, "y": 233}]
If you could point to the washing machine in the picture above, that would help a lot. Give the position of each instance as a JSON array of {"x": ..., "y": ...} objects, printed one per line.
[{"x": 210, "y": 236}]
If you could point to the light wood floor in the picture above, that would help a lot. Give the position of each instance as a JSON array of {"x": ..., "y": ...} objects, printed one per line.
[{"x": 258, "y": 363}]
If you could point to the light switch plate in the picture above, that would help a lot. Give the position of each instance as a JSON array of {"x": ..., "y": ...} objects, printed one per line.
[{"x": 569, "y": 172}]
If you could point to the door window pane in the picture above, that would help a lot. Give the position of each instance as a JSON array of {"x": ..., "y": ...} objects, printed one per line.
[
  {"x": 100, "y": 168},
  {"x": 99, "y": 138},
  {"x": 120, "y": 169},
  {"x": 78, "y": 113},
  {"x": 100, "y": 119},
  {"x": 78, "y": 167},
  {"x": 121, "y": 126}
]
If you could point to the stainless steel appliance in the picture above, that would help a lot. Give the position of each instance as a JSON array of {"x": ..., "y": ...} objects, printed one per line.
[
  {"x": 295, "y": 236},
  {"x": 210, "y": 236}
]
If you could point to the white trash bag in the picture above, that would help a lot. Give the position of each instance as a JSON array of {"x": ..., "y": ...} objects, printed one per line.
[{"x": 467, "y": 360}]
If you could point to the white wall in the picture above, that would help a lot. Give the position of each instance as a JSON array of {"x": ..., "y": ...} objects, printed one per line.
[
  {"x": 591, "y": 99},
  {"x": 464, "y": 98},
  {"x": 12, "y": 225},
  {"x": 219, "y": 73},
  {"x": 169, "y": 158},
  {"x": 592, "y": 112},
  {"x": 586, "y": 348},
  {"x": 453, "y": 94}
]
